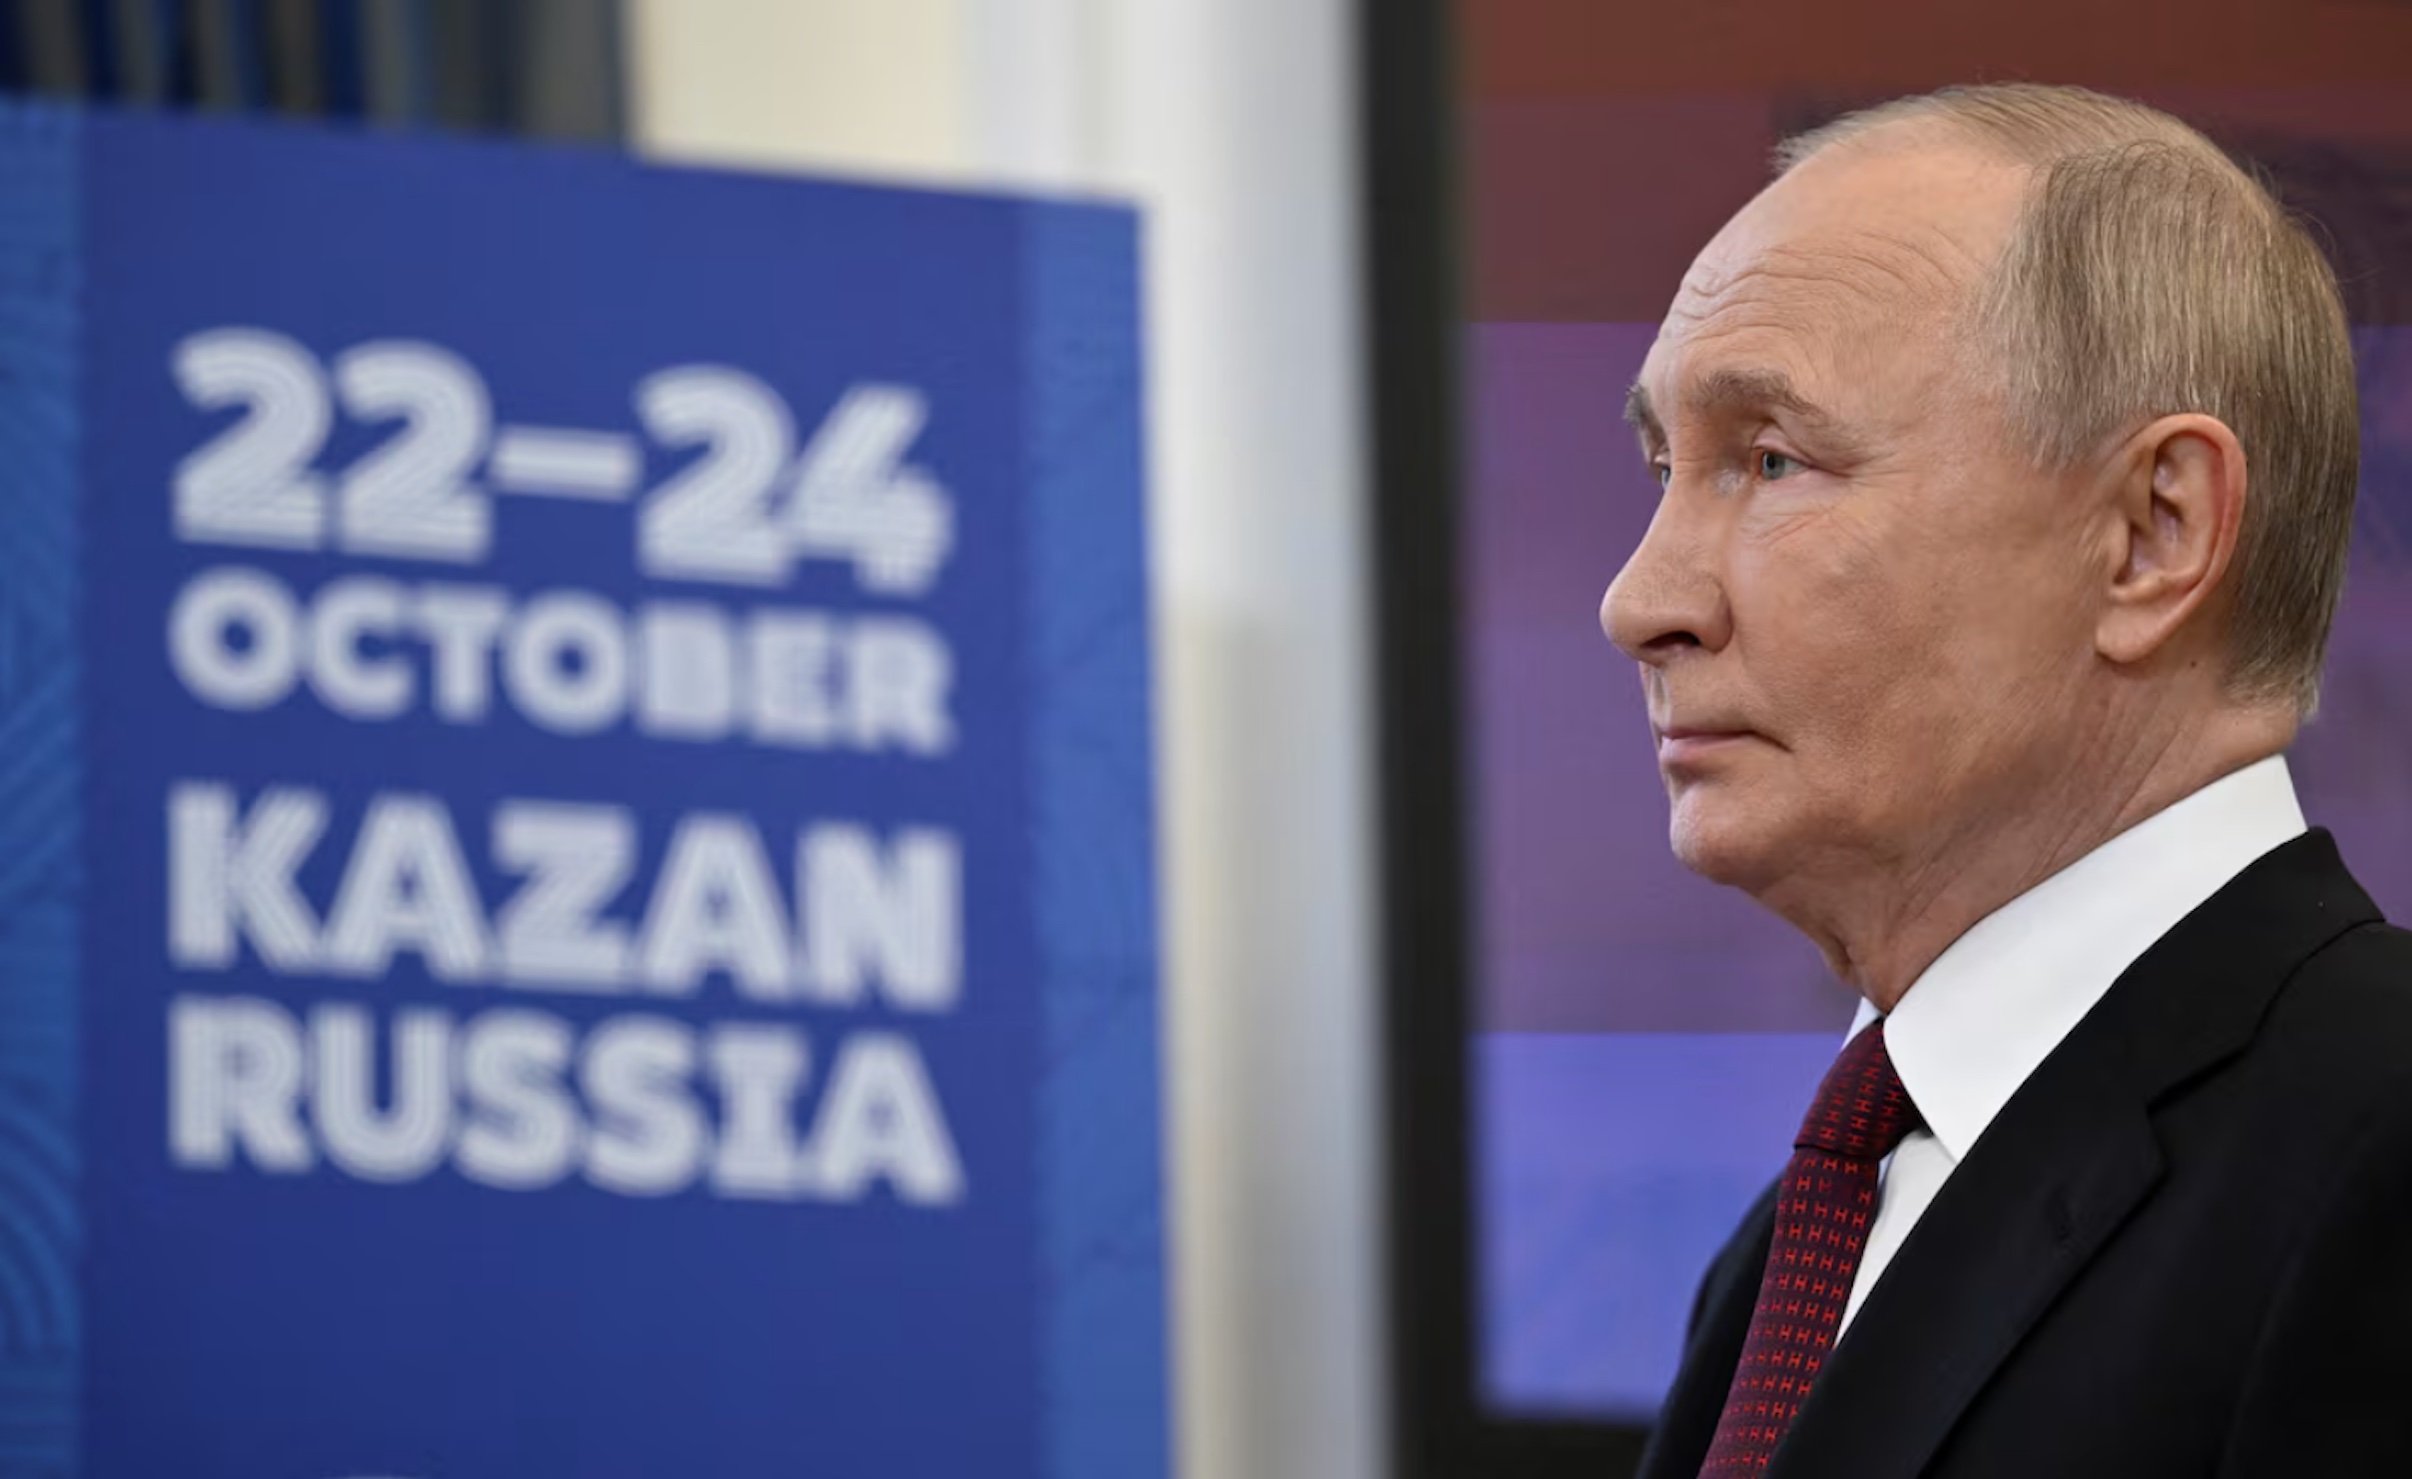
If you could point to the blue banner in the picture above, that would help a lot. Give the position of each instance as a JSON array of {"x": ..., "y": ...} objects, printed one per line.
[{"x": 576, "y": 891}]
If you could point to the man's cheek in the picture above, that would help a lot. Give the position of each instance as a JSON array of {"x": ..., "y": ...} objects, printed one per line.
[
  {"x": 1827, "y": 571},
  {"x": 1778, "y": 528}
]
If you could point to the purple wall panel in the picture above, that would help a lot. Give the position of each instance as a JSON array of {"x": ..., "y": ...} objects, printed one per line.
[{"x": 1599, "y": 1231}]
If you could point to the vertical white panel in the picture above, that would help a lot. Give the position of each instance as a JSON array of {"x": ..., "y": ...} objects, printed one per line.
[
  {"x": 1037, "y": 70},
  {"x": 861, "y": 86},
  {"x": 1233, "y": 120},
  {"x": 1232, "y": 123}
]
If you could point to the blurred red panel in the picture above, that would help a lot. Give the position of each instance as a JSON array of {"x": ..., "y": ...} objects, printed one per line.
[
  {"x": 1542, "y": 48},
  {"x": 1590, "y": 208}
]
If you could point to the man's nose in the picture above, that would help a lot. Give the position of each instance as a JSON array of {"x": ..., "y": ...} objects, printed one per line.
[{"x": 1669, "y": 598}]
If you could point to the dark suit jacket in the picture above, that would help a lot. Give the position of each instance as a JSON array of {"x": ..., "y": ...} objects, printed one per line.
[{"x": 2184, "y": 1247}]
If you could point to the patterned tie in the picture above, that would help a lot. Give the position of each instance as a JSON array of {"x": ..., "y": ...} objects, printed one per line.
[{"x": 1823, "y": 1211}]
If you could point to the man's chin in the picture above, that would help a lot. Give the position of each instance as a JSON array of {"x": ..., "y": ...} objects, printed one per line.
[{"x": 1720, "y": 845}]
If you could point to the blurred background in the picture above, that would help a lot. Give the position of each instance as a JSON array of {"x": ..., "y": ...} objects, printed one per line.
[
  {"x": 1464, "y": 1079},
  {"x": 1641, "y": 1042}
]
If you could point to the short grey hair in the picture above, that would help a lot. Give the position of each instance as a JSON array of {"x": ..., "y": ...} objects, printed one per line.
[{"x": 2150, "y": 275}]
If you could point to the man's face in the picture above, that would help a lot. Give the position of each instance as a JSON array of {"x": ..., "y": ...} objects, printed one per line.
[{"x": 1863, "y": 617}]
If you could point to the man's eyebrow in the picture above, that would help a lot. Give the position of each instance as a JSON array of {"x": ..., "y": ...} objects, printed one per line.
[
  {"x": 1730, "y": 394},
  {"x": 1640, "y": 415},
  {"x": 1739, "y": 392}
]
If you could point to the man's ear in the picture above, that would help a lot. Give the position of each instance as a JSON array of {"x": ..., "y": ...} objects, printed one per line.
[{"x": 2179, "y": 498}]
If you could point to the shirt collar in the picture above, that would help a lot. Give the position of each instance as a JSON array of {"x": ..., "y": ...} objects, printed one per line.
[{"x": 1993, "y": 1006}]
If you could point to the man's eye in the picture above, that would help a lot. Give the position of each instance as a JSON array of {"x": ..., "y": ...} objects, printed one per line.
[
  {"x": 1775, "y": 465},
  {"x": 1664, "y": 473}
]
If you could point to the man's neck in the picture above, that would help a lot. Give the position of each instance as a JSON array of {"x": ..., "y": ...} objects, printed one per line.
[{"x": 1883, "y": 928}]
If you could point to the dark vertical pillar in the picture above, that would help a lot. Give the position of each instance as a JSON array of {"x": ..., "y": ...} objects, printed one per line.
[
  {"x": 393, "y": 51},
  {"x": 292, "y": 56},
  {"x": 51, "y": 34},
  {"x": 566, "y": 81}
]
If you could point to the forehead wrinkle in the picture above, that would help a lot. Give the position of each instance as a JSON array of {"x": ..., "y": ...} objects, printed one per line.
[
  {"x": 1888, "y": 272},
  {"x": 1943, "y": 256},
  {"x": 1843, "y": 305},
  {"x": 1842, "y": 280}
]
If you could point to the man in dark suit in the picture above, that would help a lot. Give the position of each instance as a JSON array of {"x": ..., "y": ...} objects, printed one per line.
[{"x": 2009, "y": 444}]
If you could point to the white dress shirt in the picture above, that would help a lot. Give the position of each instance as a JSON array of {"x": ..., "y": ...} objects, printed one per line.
[{"x": 1995, "y": 1004}]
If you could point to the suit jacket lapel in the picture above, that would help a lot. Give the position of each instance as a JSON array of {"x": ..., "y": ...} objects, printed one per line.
[
  {"x": 2067, "y": 1161},
  {"x": 2062, "y": 1167}
]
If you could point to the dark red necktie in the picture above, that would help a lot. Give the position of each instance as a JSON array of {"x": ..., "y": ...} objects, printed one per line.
[{"x": 1823, "y": 1213}]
